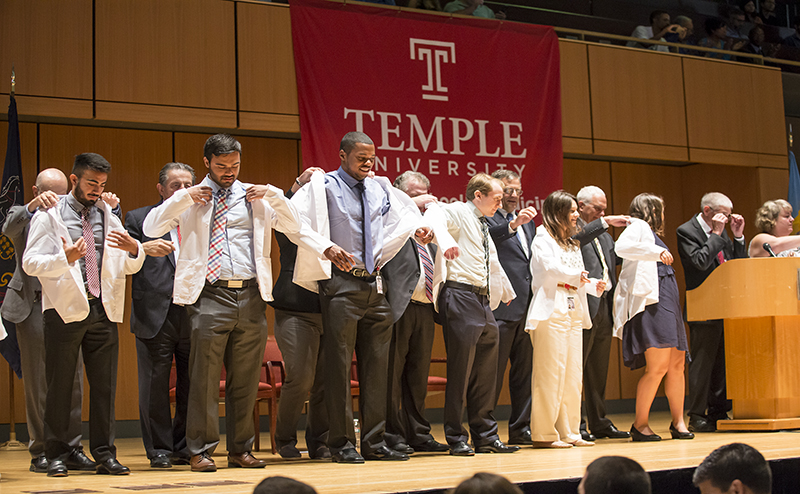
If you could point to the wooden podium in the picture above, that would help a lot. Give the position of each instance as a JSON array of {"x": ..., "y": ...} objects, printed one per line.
[{"x": 759, "y": 299}]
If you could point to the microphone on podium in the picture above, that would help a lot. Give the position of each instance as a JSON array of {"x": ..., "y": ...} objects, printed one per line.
[{"x": 768, "y": 249}]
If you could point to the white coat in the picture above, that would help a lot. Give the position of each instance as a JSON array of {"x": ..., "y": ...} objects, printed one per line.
[
  {"x": 272, "y": 211},
  {"x": 62, "y": 282},
  {"x": 548, "y": 271},
  {"x": 637, "y": 286}
]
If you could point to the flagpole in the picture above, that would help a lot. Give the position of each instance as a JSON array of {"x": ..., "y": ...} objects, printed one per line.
[{"x": 12, "y": 444}]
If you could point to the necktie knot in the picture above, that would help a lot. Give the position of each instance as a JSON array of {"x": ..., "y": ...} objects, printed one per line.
[{"x": 85, "y": 212}]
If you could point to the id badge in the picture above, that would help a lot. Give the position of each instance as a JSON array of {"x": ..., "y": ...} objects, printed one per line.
[
  {"x": 379, "y": 283},
  {"x": 570, "y": 303}
]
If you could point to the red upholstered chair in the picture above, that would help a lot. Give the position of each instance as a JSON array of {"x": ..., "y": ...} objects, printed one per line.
[{"x": 437, "y": 384}]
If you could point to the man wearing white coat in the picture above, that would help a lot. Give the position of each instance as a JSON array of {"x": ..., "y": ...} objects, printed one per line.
[
  {"x": 223, "y": 275},
  {"x": 81, "y": 254}
]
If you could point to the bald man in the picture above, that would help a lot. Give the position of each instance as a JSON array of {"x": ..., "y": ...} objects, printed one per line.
[{"x": 23, "y": 307}]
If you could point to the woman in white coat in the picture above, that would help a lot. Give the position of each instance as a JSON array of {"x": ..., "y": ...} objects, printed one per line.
[
  {"x": 647, "y": 311},
  {"x": 556, "y": 318}
]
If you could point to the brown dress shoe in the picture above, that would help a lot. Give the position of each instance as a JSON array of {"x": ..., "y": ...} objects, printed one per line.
[
  {"x": 203, "y": 463},
  {"x": 244, "y": 460}
]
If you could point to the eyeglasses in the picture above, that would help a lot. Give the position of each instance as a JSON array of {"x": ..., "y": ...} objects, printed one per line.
[{"x": 512, "y": 190}]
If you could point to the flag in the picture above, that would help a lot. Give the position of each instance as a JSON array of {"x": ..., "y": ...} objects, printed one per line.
[
  {"x": 11, "y": 194},
  {"x": 794, "y": 191}
]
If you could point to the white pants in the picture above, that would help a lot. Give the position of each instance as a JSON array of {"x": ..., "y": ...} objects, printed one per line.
[{"x": 557, "y": 373}]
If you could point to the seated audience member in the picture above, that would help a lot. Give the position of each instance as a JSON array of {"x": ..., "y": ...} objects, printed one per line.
[
  {"x": 767, "y": 14},
  {"x": 734, "y": 468},
  {"x": 658, "y": 28},
  {"x": 434, "y": 5},
  {"x": 736, "y": 20},
  {"x": 774, "y": 222},
  {"x": 473, "y": 7},
  {"x": 682, "y": 35},
  {"x": 283, "y": 485},
  {"x": 757, "y": 46},
  {"x": 793, "y": 41},
  {"x": 486, "y": 483},
  {"x": 614, "y": 475},
  {"x": 716, "y": 30},
  {"x": 749, "y": 9}
]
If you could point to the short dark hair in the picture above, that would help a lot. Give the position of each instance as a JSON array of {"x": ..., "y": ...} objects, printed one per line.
[
  {"x": 220, "y": 144},
  {"x": 283, "y": 485},
  {"x": 650, "y": 208},
  {"x": 735, "y": 461},
  {"x": 350, "y": 140},
  {"x": 657, "y": 13},
  {"x": 90, "y": 161},
  {"x": 752, "y": 34},
  {"x": 616, "y": 474},
  {"x": 714, "y": 23},
  {"x": 162, "y": 175},
  {"x": 486, "y": 483}
]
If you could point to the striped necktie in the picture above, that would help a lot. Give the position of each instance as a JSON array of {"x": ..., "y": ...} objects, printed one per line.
[
  {"x": 217, "y": 236},
  {"x": 90, "y": 259},
  {"x": 427, "y": 266},
  {"x": 485, "y": 233}
]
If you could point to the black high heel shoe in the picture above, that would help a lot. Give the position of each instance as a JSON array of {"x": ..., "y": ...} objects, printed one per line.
[
  {"x": 676, "y": 434},
  {"x": 637, "y": 436}
]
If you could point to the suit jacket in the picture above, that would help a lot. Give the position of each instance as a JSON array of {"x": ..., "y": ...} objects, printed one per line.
[
  {"x": 62, "y": 282},
  {"x": 516, "y": 264},
  {"x": 22, "y": 288},
  {"x": 402, "y": 274},
  {"x": 272, "y": 211},
  {"x": 699, "y": 253},
  {"x": 591, "y": 257},
  {"x": 151, "y": 288}
]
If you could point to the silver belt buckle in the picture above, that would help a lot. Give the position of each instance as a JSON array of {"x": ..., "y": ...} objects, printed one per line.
[{"x": 235, "y": 283}]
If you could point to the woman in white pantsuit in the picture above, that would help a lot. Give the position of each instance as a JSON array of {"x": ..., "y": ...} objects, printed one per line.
[{"x": 556, "y": 318}]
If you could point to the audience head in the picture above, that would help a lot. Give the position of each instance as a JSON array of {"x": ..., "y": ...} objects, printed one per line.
[
  {"x": 357, "y": 154},
  {"x": 686, "y": 23},
  {"x": 659, "y": 19},
  {"x": 222, "y": 155},
  {"x": 486, "y": 483},
  {"x": 174, "y": 177},
  {"x": 715, "y": 27},
  {"x": 591, "y": 203},
  {"x": 734, "y": 468},
  {"x": 89, "y": 175},
  {"x": 560, "y": 217},
  {"x": 775, "y": 217},
  {"x": 283, "y": 485},
  {"x": 768, "y": 6},
  {"x": 51, "y": 179},
  {"x": 512, "y": 189},
  {"x": 713, "y": 203},
  {"x": 486, "y": 193},
  {"x": 736, "y": 18},
  {"x": 614, "y": 475},
  {"x": 749, "y": 6},
  {"x": 757, "y": 36},
  {"x": 650, "y": 208}
]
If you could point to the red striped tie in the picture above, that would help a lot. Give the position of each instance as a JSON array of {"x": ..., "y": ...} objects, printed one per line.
[
  {"x": 90, "y": 259},
  {"x": 427, "y": 266},
  {"x": 217, "y": 236}
]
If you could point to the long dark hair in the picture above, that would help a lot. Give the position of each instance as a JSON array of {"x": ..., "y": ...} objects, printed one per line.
[{"x": 555, "y": 218}]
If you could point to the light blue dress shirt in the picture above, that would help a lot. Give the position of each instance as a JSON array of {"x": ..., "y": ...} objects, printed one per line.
[{"x": 238, "y": 258}]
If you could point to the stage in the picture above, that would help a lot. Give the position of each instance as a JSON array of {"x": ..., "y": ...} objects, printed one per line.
[{"x": 669, "y": 461}]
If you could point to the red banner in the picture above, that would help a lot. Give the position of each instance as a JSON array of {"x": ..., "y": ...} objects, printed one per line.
[{"x": 447, "y": 97}]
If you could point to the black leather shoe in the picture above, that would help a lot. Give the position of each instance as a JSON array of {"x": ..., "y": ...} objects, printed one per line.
[
  {"x": 321, "y": 453},
  {"x": 403, "y": 448},
  {"x": 676, "y": 434},
  {"x": 56, "y": 468},
  {"x": 496, "y": 447},
  {"x": 639, "y": 437},
  {"x": 289, "y": 452},
  {"x": 701, "y": 424},
  {"x": 347, "y": 455},
  {"x": 523, "y": 440},
  {"x": 181, "y": 460},
  {"x": 461, "y": 449},
  {"x": 587, "y": 436},
  {"x": 39, "y": 464},
  {"x": 431, "y": 446},
  {"x": 160, "y": 461},
  {"x": 386, "y": 453},
  {"x": 112, "y": 467},
  {"x": 611, "y": 433},
  {"x": 77, "y": 460}
]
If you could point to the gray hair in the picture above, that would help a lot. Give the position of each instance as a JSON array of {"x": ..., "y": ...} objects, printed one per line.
[
  {"x": 402, "y": 180},
  {"x": 162, "y": 175},
  {"x": 505, "y": 174},
  {"x": 586, "y": 194},
  {"x": 682, "y": 20},
  {"x": 715, "y": 200}
]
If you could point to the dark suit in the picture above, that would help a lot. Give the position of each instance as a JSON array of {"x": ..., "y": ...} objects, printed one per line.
[
  {"x": 698, "y": 252},
  {"x": 514, "y": 343},
  {"x": 23, "y": 306},
  {"x": 597, "y": 339},
  {"x": 162, "y": 333}
]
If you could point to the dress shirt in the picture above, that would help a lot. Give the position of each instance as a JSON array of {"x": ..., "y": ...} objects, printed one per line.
[
  {"x": 71, "y": 214},
  {"x": 237, "y": 248},
  {"x": 519, "y": 231},
  {"x": 707, "y": 228},
  {"x": 344, "y": 212},
  {"x": 464, "y": 224},
  {"x": 419, "y": 294}
]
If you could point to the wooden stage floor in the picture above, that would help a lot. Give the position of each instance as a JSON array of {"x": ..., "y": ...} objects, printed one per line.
[{"x": 422, "y": 472}]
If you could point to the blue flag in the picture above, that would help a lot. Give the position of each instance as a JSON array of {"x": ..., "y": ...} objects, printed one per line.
[{"x": 12, "y": 193}]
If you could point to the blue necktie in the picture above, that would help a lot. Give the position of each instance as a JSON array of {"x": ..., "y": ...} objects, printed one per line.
[{"x": 366, "y": 228}]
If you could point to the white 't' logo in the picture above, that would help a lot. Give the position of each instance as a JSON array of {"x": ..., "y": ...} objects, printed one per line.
[{"x": 434, "y": 53}]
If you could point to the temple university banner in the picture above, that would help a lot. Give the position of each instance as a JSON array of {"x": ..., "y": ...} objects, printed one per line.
[{"x": 448, "y": 97}]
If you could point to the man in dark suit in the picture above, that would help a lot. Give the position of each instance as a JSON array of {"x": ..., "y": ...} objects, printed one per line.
[
  {"x": 599, "y": 259},
  {"x": 513, "y": 232},
  {"x": 407, "y": 429},
  {"x": 162, "y": 332},
  {"x": 23, "y": 306},
  {"x": 703, "y": 244}
]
